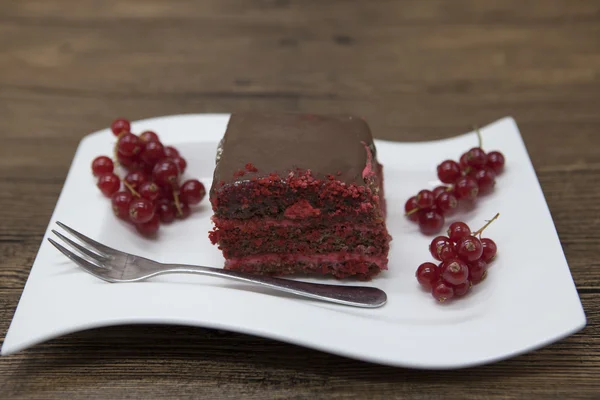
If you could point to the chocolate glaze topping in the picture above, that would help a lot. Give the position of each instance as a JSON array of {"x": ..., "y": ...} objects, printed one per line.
[{"x": 280, "y": 143}]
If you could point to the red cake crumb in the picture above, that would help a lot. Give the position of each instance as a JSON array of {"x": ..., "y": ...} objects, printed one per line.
[
  {"x": 251, "y": 168},
  {"x": 300, "y": 210}
]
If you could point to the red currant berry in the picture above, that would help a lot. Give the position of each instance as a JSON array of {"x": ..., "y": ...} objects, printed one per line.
[
  {"x": 171, "y": 152},
  {"x": 135, "y": 179},
  {"x": 458, "y": 230},
  {"x": 439, "y": 190},
  {"x": 454, "y": 271},
  {"x": 469, "y": 248},
  {"x": 149, "y": 190},
  {"x": 442, "y": 291},
  {"x": 411, "y": 204},
  {"x": 152, "y": 153},
  {"x": 166, "y": 211},
  {"x": 486, "y": 179},
  {"x": 166, "y": 174},
  {"x": 425, "y": 199},
  {"x": 447, "y": 252},
  {"x": 141, "y": 210},
  {"x": 463, "y": 161},
  {"x": 466, "y": 188},
  {"x": 120, "y": 204},
  {"x": 476, "y": 158},
  {"x": 149, "y": 228},
  {"x": 130, "y": 163},
  {"x": 430, "y": 222},
  {"x": 102, "y": 165},
  {"x": 129, "y": 145},
  {"x": 436, "y": 245},
  {"x": 185, "y": 211},
  {"x": 149, "y": 136},
  {"x": 489, "y": 250},
  {"x": 181, "y": 164},
  {"x": 192, "y": 192},
  {"x": 496, "y": 161},
  {"x": 448, "y": 171},
  {"x": 109, "y": 184},
  {"x": 120, "y": 125},
  {"x": 427, "y": 274},
  {"x": 447, "y": 203},
  {"x": 477, "y": 271},
  {"x": 462, "y": 289}
]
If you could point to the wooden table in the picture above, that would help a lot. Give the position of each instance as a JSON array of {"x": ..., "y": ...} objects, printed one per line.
[{"x": 417, "y": 70}]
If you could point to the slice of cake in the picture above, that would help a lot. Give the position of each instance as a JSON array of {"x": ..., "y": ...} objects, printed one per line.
[{"x": 299, "y": 194}]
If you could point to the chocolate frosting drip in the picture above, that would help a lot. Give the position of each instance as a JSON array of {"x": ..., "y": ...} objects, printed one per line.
[{"x": 280, "y": 143}]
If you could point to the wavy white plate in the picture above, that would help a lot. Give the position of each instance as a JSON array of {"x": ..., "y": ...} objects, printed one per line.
[{"x": 511, "y": 312}]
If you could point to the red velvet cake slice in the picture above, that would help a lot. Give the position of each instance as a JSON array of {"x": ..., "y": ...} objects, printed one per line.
[{"x": 298, "y": 193}]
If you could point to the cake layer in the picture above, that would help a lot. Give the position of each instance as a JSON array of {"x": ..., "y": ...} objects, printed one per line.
[
  {"x": 362, "y": 239},
  {"x": 297, "y": 195},
  {"x": 339, "y": 265}
]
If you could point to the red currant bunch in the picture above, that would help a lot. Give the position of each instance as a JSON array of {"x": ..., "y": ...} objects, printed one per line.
[
  {"x": 153, "y": 191},
  {"x": 464, "y": 259},
  {"x": 474, "y": 175}
]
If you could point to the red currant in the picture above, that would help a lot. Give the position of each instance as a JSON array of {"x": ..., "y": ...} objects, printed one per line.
[
  {"x": 469, "y": 248},
  {"x": 119, "y": 126},
  {"x": 426, "y": 274},
  {"x": 129, "y": 145},
  {"x": 141, "y": 210},
  {"x": 447, "y": 252},
  {"x": 447, "y": 203},
  {"x": 462, "y": 289},
  {"x": 135, "y": 179},
  {"x": 166, "y": 173},
  {"x": 425, "y": 199},
  {"x": 120, "y": 204},
  {"x": 486, "y": 179},
  {"x": 411, "y": 204},
  {"x": 149, "y": 190},
  {"x": 185, "y": 211},
  {"x": 166, "y": 211},
  {"x": 458, "y": 230},
  {"x": 496, "y": 161},
  {"x": 463, "y": 161},
  {"x": 131, "y": 163},
  {"x": 102, "y": 165},
  {"x": 489, "y": 250},
  {"x": 149, "y": 228},
  {"x": 171, "y": 152},
  {"x": 430, "y": 222},
  {"x": 109, "y": 184},
  {"x": 436, "y": 245},
  {"x": 442, "y": 291},
  {"x": 149, "y": 136},
  {"x": 439, "y": 190},
  {"x": 476, "y": 158},
  {"x": 454, "y": 271},
  {"x": 192, "y": 192},
  {"x": 152, "y": 153},
  {"x": 448, "y": 171},
  {"x": 181, "y": 164},
  {"x": 466, "y": 188},
  {"x": 477, "y": 271}
]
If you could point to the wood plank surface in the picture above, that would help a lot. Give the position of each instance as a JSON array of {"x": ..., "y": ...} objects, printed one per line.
[{"x": 415, "y": 69}]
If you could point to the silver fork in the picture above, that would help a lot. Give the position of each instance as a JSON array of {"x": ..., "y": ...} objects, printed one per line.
[{"x": 113, "y": 265}]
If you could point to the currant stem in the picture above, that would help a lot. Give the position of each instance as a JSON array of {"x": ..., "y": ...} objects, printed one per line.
[
  {"x": 177, "y": 204},
  {"x": 478, "y": 232},
  {"x": 131, "y": 189},
  {"x": 115, "y": 147},
  {"x": 479, "y": 138}
]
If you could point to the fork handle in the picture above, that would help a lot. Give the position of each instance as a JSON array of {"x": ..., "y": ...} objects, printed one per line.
[{"x": 357, "y": 296}]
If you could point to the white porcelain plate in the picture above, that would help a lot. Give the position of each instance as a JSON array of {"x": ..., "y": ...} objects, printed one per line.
[{"x": 507, "y": 314}]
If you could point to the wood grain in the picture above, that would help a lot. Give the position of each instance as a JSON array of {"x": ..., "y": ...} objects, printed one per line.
[{"x": 417, "y": 70}]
